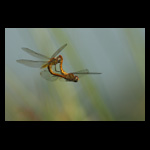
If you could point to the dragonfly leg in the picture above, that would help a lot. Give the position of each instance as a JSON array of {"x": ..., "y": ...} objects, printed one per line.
[{"x": 56, "y": 69}]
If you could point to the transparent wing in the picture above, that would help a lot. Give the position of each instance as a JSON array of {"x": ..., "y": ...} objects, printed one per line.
[
  {"x": 38, "y": 55},
  {"x": 59, "y": 50},
  {"x": 85, "y": 71},
  {"x": 81, "y": 71},
  {"x": 47, "y": 76},
  {"x": 35, "y": 54},
  {"x": 31, "y": 63}
]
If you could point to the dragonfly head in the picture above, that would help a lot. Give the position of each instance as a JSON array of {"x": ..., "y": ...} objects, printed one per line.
[
  {"x": 59, "y": 58},
  {"x": 76, "y": 78}
]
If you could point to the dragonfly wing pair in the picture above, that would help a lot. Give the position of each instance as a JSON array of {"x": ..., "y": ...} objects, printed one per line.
[
  {"x": 83, "y": 72},
  {"x": 38, "y": 64},
  {"x": 47, "y": 76}
]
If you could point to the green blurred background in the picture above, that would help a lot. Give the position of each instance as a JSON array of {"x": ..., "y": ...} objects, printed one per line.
[{"x": 118, "y": 94}]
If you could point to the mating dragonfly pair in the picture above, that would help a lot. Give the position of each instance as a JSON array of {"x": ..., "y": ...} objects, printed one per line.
[{"x": 49, "y": 74}]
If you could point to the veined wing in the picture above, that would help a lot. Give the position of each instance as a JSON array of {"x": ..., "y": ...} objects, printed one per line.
[
  {"x": 35, "y": 54},
  {"x": 38, "y": 55},
  {"x": 47, "y": 76},
  {"x": 59, "y": 50},
  {"x": 85, "y": 71},
  {"x": 31, "y": 63}
]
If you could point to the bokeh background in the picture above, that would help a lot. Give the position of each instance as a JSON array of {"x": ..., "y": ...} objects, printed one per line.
[{"x": 118, "y": 94}]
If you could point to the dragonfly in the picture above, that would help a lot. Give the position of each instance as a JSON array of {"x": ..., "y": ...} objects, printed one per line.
[
  {"x": 53, "y": 60},
  {"x": 42, "y": 64},
  {"x": 67, "y": 76},
  {"x": 73, "y": 76}
]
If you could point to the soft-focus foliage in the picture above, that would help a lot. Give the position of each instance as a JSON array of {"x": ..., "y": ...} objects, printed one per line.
[{"x": 117, "y": 94}]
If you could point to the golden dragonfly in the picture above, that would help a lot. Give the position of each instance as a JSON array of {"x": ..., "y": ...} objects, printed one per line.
[
  {"x": 41, "y": 64},
  {"x": 53, "y": 60}
]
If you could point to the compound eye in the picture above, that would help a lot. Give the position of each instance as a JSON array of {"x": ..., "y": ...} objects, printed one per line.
[
  {"x": 59, "y": 59},
  {"x": 76, "y": 79}
]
